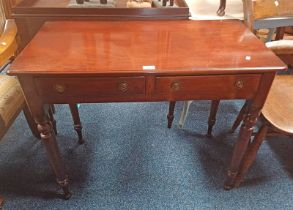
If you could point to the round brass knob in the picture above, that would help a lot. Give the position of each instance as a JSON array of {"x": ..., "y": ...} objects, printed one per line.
[
  {"x": 123, "y": 86},
  {"x": 175, "y": 86},
  {"x": 59, "y": 88},
  {"x": 239, "y": 84}
]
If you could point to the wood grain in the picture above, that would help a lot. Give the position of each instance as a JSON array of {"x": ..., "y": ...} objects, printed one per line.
[{"x": 126, "y": 46}]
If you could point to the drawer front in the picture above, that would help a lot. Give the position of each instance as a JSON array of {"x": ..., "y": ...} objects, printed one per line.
[
  {"x": 206, "y": 87},
  {"x": 94, "y": 89}
]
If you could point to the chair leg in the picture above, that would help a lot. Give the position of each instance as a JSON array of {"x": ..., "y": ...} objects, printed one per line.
[
  {"x": 51, "y": 112},
  {"x": 250, "y": 154},
  {"x": 31, "y": 122},
  {"x": 240, "y": 116},
  {"x": 184, "y": 113},
  {"x": 222, "y": 7},
  {"x": 170, "y": 115},
  {"x": 77, "y": 123},
  {"x": 212, "y": 117}
]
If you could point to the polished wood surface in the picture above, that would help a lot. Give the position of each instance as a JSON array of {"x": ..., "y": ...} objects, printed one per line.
[
  {"x": 126, "y": 47},
  {"x": 278, "y": 109},
  {"x": 117, "y": 61}
]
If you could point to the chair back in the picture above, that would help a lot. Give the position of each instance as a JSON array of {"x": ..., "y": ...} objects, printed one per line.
[{"x": 264, "y": 9}]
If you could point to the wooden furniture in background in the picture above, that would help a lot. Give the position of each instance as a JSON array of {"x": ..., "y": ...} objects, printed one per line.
[
  {"x": 222, "y": 7},
  {"x": 133, "y": 61},
  {"x": 11, "y": 98},
  {"x": 8, "y": 5},
  {"x": 31, "y": 14}
]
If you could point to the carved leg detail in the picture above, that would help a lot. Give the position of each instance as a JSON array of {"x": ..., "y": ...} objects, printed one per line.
[
  {"x": 49, "y": 140},
  {"x": 77, "y": 123},
  {"x": 212, "y": 117},
  {"x": 241, "y": 146},
  {"x": 250, "y": 155},
  {"x": 222, "y": 7},
  {"x": 170, "y": 115}
]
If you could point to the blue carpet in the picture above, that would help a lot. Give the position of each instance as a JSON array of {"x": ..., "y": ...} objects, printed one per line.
[{"x": 132, "y": 161}]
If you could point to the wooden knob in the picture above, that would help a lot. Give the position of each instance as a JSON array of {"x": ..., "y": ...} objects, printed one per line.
[
  {"x": 123, "y": 87},
  {"x": 59, "y": 88},
  {"x": 239, "y": 84},
  {"x": 175, "y": 86}
]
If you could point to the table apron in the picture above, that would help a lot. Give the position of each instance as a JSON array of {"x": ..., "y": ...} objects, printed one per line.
[{"x": 146, "y": 88}]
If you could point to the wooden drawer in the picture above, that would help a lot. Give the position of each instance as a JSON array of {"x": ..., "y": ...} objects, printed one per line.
[
  {"x": 94, "y": 89},
  {"x": 207, "y": 87}
]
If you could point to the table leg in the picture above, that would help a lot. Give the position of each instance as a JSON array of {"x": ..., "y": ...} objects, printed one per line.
[
  {"x": 222, "y": 7},
  {"x": 241, "y": 146},
  {"x": 39, "y": 112},
  {"x": 76, "y": 121},
  {"x": 246, "y": 129},
  {"x": 52, "y": 119},
  {"x": 212, "y": 117},
  {"x": 240, "y": 116},
  {"x": 250, "y": 155},
  {"x": 48, "y": 138},
  {"x": 170, "y": 115}
]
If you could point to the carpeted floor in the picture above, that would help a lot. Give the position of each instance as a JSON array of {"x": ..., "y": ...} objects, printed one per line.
[{"x": 132, "y": 161}]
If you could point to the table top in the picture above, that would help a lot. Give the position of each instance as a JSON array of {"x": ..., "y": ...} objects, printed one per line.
[{"x": 145, "y": 47}]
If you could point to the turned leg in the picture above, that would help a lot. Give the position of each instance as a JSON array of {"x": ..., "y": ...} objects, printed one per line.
[
  {"x": 246, "y": 129},
  {"x": 212, "y": 117},
  {"x": 240, "y": 116},
  {"x": 222, "y": 7},
  {"x": 170, "y": 115},
  {"x": 39, "y": 112},
  {"x": 48, "y": 138},
  {"x": 51, "y": 112},
  {"x": 241, "y": 146},
  {"x": 77, "y": 123},
  {"x": 250, "y": 155},
  {"x": 30, "y": 121}
]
